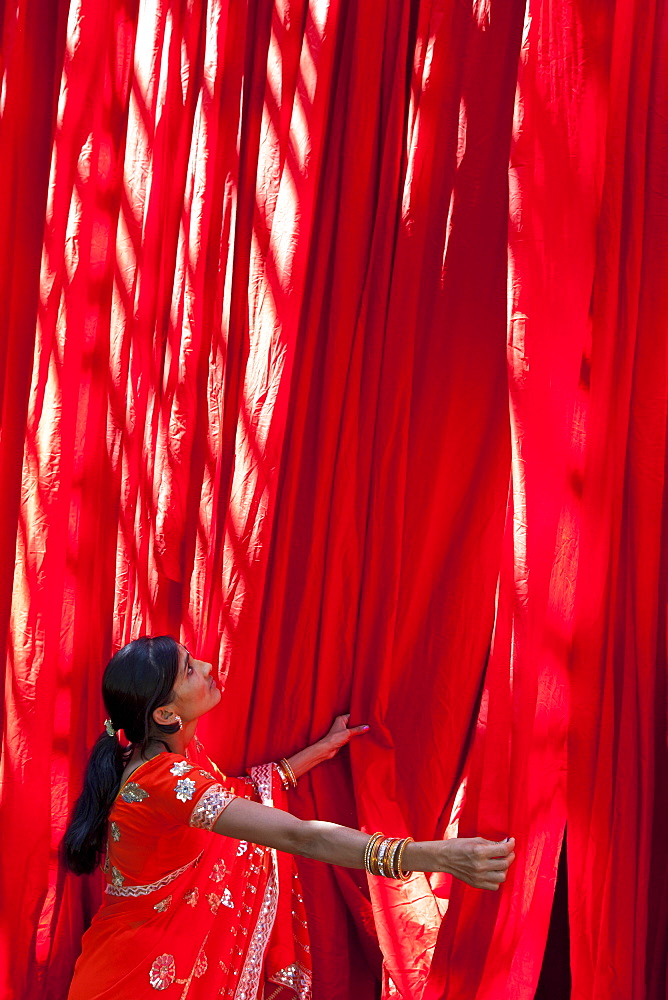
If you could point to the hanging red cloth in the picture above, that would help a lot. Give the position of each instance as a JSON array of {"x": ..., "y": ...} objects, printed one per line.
[{"x": 255, "y": 393}]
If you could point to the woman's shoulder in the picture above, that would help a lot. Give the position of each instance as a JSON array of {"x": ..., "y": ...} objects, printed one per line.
[
  {"x": 137, "y": 775},
  {"x": 166, "y": 772}
]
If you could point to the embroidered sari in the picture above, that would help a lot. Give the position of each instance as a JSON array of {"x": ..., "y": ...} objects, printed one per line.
[{"x": 187, "y": 912}]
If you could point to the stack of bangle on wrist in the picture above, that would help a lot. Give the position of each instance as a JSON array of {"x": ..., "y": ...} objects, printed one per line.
[
  {"x": 286, "y": 774},
  {"x": 383, "y": 856}
]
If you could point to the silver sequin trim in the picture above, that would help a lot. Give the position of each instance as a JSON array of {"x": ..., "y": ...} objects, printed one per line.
[
  {"x": 249, "y": 981},
  {"x": 261, "y": 776},
  {"x": 210, "y": 806},
  {"x": 144, "y": 890},
  {"x": 115, "y": 832}
]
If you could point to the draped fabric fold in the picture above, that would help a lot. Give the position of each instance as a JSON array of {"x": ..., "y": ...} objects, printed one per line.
[{"x": 333, "y": 341}]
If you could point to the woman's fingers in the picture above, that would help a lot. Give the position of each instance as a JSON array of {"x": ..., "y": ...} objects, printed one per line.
[
  {"x": 340, "y": 734},
  {"x": 495, "y": 848},
  {"x": 340, "y": 726},
  {"x": 480, "y": 863},
  {"x": 489, "y": 880}
]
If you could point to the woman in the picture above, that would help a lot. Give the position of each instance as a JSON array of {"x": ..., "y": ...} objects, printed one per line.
[{"x": 185, "y": 911}]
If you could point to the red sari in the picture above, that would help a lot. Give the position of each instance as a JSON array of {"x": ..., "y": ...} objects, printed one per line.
[{"x": 186, "y": 911}]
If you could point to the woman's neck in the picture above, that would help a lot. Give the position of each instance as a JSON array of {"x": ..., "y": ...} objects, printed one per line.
[{"x": 177, "y": 742}]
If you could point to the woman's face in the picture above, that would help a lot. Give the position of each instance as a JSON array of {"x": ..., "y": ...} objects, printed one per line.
[{"x": 195, "y": 689}]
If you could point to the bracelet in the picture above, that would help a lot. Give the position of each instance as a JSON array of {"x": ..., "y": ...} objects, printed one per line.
[
  {"x": 389, "y": 867},
  {"x": 404, "y": 876},
  {"x": 383, "y": 855},
  {"x": 371, "y": 843},
  {"x": 380, "y": 860},
  {"x": 392, "y": 858},
  {"x": 283, "y": 776},
  {"x": 287, "y": 767},
  {"x": 373, "y": 855}
]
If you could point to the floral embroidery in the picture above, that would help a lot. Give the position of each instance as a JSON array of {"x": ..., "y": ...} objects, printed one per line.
[
  {"x": 201, "y": 965},
  {"x": 180, "y": 768},
  {"x": 218, "y": 872},
  {"x": 242, "y": 848},
  {"x": 213, "y": 901},
  {"x": 115, "y": 831},
  {"x": 205, "y": 774},
  {"x": 184, "y": 789},
  {"x": 163, "y": 905},
  {"x": 191, "y": 897},
  {"x": 297, "y": 978},
  {"x": 132, "y": 792},
  {"x": 210, "y": 806},
  {"x": 117, "y": 877},
  {"x": 163, "y": 972}
]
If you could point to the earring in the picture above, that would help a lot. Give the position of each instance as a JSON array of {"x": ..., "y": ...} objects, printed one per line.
[{"x": 177, "y": 719}]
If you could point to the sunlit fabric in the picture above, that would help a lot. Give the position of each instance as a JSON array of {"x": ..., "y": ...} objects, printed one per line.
[{"x": 333, "y": 340}]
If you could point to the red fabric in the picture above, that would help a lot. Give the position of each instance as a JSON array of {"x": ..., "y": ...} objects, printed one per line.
[{"x": 255, "y": 393}]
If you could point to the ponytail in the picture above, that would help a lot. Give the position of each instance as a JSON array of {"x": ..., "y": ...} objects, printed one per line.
[
  {"x": 138, "y": 679},
  {"x": 84, "y": 839}
]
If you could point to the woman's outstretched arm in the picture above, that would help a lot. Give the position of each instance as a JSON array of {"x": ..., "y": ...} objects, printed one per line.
[{"x": 480, "y": 863}]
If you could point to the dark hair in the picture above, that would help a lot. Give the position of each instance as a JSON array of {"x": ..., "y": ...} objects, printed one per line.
[{"x": 138, "y": 679}]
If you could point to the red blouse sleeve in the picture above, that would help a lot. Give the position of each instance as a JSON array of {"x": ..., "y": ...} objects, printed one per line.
[{"x": 188, "y": 794}]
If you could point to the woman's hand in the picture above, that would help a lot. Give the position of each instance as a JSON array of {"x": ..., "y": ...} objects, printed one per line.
[
  {"x": 339, "y": 735},
  {"x": 327, "y": 747},
  {"x": 480, "y": 863}
]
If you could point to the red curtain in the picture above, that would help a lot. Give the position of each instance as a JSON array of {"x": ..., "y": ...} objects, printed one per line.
[{"x": 268, "y": 288}]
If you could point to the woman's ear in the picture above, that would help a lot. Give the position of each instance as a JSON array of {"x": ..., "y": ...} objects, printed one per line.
[{"x": 164, "y": 716}]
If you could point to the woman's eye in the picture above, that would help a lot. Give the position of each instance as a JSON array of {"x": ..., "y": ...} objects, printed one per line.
[{"x": 190, "y": 669}]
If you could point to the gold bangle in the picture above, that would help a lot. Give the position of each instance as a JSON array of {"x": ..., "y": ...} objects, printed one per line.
[
  {"x": 383, "y": 852},
  {"x": 370, "y": 844},
  {"x": 404, "y": 876},
  {"x": 287, "y": 767},
  {"x": 390, "y": 859},
  {"x": 373, "y": 855},
  {"x": 378, "y": 860},
  {"x": 393, "y": 860},
  {"x": 283, "y": 776},
  {"x": 383, "y": 856}
]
